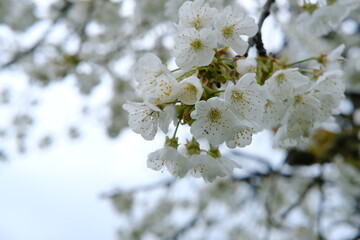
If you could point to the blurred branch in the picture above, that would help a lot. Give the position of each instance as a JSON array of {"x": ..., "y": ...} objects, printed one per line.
[
  {"x": 315, "y": 181},
  {"x": 257, "y": 39},
  {"x": 320, "y": 209},
  {"x": 82, "y": 31},
  {"x": 185, "y": 228},
  {"x": 62, "y": 12},
  {"x": 268, "y": 200},
  {"x": 164, "y": 183},
  {"x": 254, "y": 157},
  {"x": 299, "y": 200}
]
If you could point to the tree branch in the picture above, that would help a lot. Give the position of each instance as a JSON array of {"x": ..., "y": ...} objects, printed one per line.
[
  {"x": 254, "y": 157},
  {"x": 164, "y": 183},
  {"x": 267, "y": 205},
  {"x": 185, "y": 228},
  {"x": 299, "y": 200},
  {"x": 319, "y": 216},
  {"x": 257, "y": 39}
]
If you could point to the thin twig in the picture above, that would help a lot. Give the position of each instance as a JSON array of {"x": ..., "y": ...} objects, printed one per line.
[
  {"x": 321, "y": 204},
  {"x": 268, "y": 200},
  {"x": 257, "y": 39},
  {"x": 164, "y": 183},
  {"x": 254, "y": 157},
  {"x": 299, "y": 200},
  {"x": 185, "y": 228},
  {"x": 82, "y": 30}
]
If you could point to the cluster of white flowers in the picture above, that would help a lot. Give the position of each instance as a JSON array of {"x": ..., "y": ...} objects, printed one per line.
[
  {"x": 223, "y": 99},
  {"x": 201, "y": 28},
  {"x": 326, "y": 18}
]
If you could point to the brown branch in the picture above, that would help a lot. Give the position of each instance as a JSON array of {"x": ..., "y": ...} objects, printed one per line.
[{"x": 257, "y": 39}]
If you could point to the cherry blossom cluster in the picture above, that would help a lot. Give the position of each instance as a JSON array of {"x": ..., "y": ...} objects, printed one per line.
[{"x": 226, "y": 99}]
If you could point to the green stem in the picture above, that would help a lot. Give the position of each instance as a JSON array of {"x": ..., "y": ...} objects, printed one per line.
[
  {"x": 228, "y": 59},
  {"x": 306, "y": 70},
  {"x": 176, "y": 128},
  {"x": 219, "y": 91},
  {"x": 191, "y": 72},
  {"x": 177, "y": 69},
  {"x": 301, "y": 61}
]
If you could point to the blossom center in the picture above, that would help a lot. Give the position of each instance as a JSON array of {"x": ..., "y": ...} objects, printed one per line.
[
  {"x": 214, "y": 114},
  {"x": 158, "y": 73},
  {"x": 197, "y": 23},
  {"x": 280, "y": 78},
  {"x": 228, "y": 31},
  {"x": 299, "y": 99},
  {"x": 237, "y": 96},
  {"x": 197, "y": 44},
  {"x": 191, "y": 88}
]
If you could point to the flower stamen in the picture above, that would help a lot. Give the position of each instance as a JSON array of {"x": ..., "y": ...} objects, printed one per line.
[
  {"x": 197, "y": 45},
  {"x": 214, "y": 114}
]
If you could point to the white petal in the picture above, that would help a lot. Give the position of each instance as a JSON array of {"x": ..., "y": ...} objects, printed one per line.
[{"x": 190, "y": 90}]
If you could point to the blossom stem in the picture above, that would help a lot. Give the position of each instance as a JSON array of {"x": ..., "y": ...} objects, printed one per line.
[
  {"x": 228, "y": 59},
  {"x": 188, "y": 74},
  {"x": 306, "y": 70},
  {"x": 301, "y": 61},
  {"x": 176, "y": 128},
  {"x": 218, "y": 91},
  {"x": 177, "y": 69}
]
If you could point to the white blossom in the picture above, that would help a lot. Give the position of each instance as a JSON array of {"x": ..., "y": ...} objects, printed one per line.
[
  {"x": 213, "y": 120},
  {"x": 167, "y": 115},
  {"x": 155, "y": 81},
  {"x": 325, "y": 19},
  {"x": 230, "y": 25},
  {"x": 170, "y": 158},
  {"x": 298, "y": 121},
  {"x": 334, "y": 58},
  {"x": 246, "y": 98},
  {"x": 194, "y": 48},
  {"x": 329, "y": 90},
  {"x": 190, "y": 90},
  {"x": 145, "y": 118},
  {"x": 196, "y": 15},
  {"x": 210, "y": 168},
  {"x": 286, "y": 83},
  {"x": 241, "y": 136},
  {"x": 246, "y": 65},
  {"x": 274, "y": 111}
]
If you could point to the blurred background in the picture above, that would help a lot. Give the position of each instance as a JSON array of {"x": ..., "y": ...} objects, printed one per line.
[{"x": 71, "y": 169}]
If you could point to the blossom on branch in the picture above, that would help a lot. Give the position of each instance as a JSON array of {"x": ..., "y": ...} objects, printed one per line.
[
  {"x": 145, "y": 118},
  {"x": 213, "y": 120},
  {"x": 231, "y": 25},
  {"x": 196, "y": 15},
  {"x": 156, "y": 83},
  {"x": 194, "y": 48},
  {"x": 225, "y": 98},
  {"x": 190, "y": 90}
]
